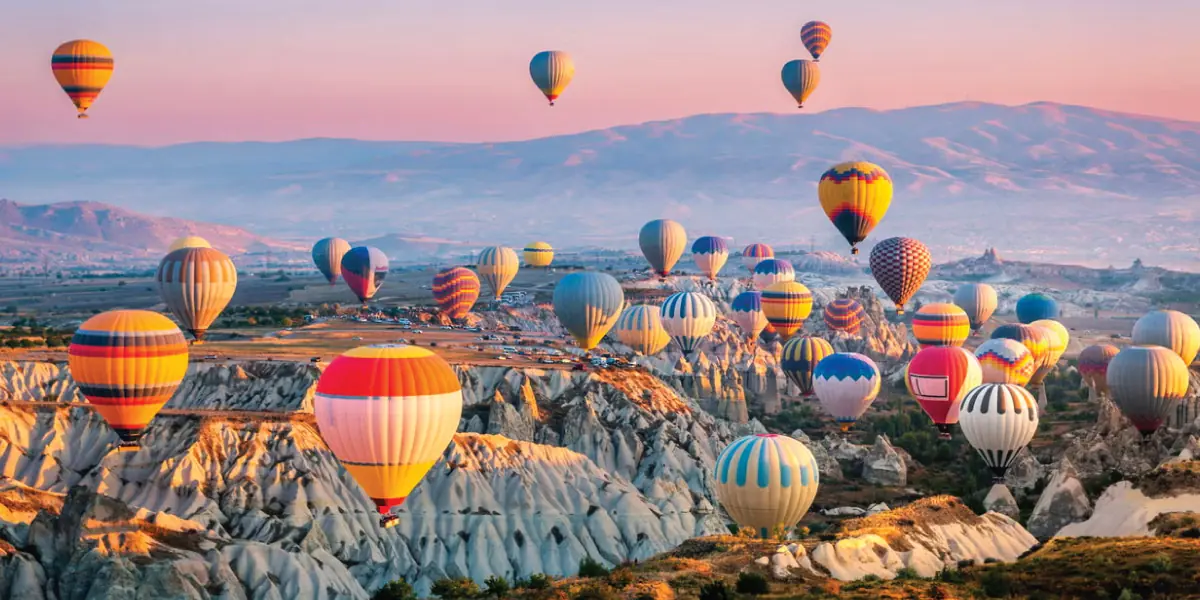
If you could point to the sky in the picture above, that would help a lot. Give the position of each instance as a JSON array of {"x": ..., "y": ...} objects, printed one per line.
[{"x": 230, "y": 70}]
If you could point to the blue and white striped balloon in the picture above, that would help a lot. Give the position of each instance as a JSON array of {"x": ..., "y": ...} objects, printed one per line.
[
  {"x": 846, "y": 383},
  {"x": 766, "y": 481},
  {"x": 689, "y": 317},
  {"x": 771, "y": 271}
]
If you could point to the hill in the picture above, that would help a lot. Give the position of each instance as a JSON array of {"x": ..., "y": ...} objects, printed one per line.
[
  {"x": 1055, "y": 182},
  {"x": 91, "y": 232}
]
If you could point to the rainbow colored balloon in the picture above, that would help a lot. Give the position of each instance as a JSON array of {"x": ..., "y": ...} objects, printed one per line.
[
  {"x": 845, "y": 314},
  {"x": 455, "y": 290},
  {"x": 855, "y": 197},
  {"x": 941, "y": 324},
  {"x": 787, "y": 304}
]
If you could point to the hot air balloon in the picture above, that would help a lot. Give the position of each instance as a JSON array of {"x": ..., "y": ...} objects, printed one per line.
[
  {"x": 769, "y": 335},
  {"x": 855, "y": 196},
  {"x": 455, "y": 290},
  {"x": 498, "y": 266},
  {"x": 588, "y": 304},
  {"x": 640, "y": 327},
  {"x": 800, "y": 78},
  {"x": 755, "y": 253},
  {"x": 327, "y": 255},
  {"x": 1147, "y": 383},
  {"x": 710, "y": 253},
  {"x": 539, "y": 254},
  {"x": 900, "y": 266},
  {"x": 662, "y": 243},
  {"x": 689, "y": 317},
  {"x": 979, "y": 301},
  {"x": 1035, "y": 339},
  {"x": 816, "y": 36},
  {"x": 363, "y": 269},
  {"x": 845, "y": 314},
  {"x": 1093, "y": 366},
  {"x": 1057, "y": 338},
  {"x": 846, "y": 383},
  {"x": 998, "y": 419},
  {"x": 746, "y": 311},
  {"x": 388, "y": 412},
  {"x": 128, "y": 364},
  {"x": 938, "y": 377},
  {"x": 1169, "y": 329},
  {"x": 1005, "y": 361},
  {"x": 766, "y": 482},
  {"x": 82, "y": 68},
  {"x": 1034, "y": 307},
  {"x": 188, "y": 241},
  {"x": 771, "y": 271},
  {"x": 941, "y": 324},
  {"x": 800, "y": 358},
  {"x": 197, "y": 284},
  {"x": 787, "y": 304},
  {"x": 552, "y": 71}
]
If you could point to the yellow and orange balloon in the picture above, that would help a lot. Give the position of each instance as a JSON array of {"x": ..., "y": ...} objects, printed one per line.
[
  {"x": 128, "y": 364},
  {"x": 855, "y": 196},
  {"x": 82, "y": 68}
]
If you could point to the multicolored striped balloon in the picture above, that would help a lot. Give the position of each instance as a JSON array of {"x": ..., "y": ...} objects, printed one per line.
[
  {"x": 855, "y": 197},
  {"x": 388, "y": 412},
  {"x": 756, "y": 253},
  {"x": 846, "y": 383},
  {"x": 498, "y": 266},
  {"x": 845, "y": 314},
  {"x": 900, "y": 266},
  {"x": 688, "y": 317},
  {"x": 1005, "y": 361},
  {"x": 746, "y": 311},
  {"x": 363, "y": 269},
  {"x": 128, "y": 364},
  {"x": 588, "y": 304},
  {"x": 455, "y": 290},
  {"x": 662, "y": 242},
  {"x": 82, "y": 68},
  {"x": 941, "y": 324},
  {"x": 710, "y": 253},
  {"x": 998, "y": 419},
  {"x": 766, "y": 482},
  {"x": 800, "y": 358},
  {"x": 539, "y": 254},
  {"x": 787, "y": 304},
  {"x": 1093, "y": 365},
  {"x": 552, "y": 71},
  {"x": 770, "y": 271},
  {"x": 1057, "y": 339},
  {"x": 938, "y": 377},
  {"x": 640, "y": 327},
  {"x": 1035, "y": 339},
  {"x": 197, "y": 284},
  {"x": 327, "y": 255},
  {"x": 816, "y": 36}
]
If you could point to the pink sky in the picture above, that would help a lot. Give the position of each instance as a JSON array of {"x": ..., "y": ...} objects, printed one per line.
[{"x": 457, "y": 71}]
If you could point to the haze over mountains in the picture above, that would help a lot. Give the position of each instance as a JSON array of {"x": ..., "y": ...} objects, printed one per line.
[{"x": 1041, "y": 182}]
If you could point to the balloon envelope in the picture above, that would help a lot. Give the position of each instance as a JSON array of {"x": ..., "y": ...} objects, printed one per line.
[
  {"x": 455, "y": 290},
  {"x": 1005, "y": 361},
  {"x": 552, "y": 71},
  {"x": 771, "y": 271},
  {"x": 498, "y": 266},
  {"x": 746, "y": 311},
  {"x": 196, "y": 284},
  {"x": 800, "y": 78},
  {"x": 1057, "y": 339},
  {"x": 640, "y": 327},
  {"x": 766, "y": 482},
  {"x": 1035, "y": 306},
  {"x": 941, "y": 324},
  {"x": 855, "y": 196},
  {"x": 388, "y": 412},
  {"x": 128, "y": 364},
  {"x": 710, "y": 253},
  {"x": 845, "y": 314},
  {"x": 755, "y": 253},
  {"x": 82, "y": 68},
  {"x": 1169, "y": 329},
  {"x": 539, "y": 254},
  {"x": 1093, "y": 365},
  {"x": 1147, "y": 383},
  {"x": 688, "y": 317},
  {"x": 938, "y": 377},
  {"x": 363, "y": 269},
  {"x": 662, "y": 242},
  {"x": 327, "y": 256},
  {"x": 816, "y": 36},
  {"x": 846, "y": 383},
  {"x": 998, "y": 419},
  {"x": 188, "y": 241},
  {"x": 1035, "y": 339},
  {"x": 979, "y": 301},
  {"x": 900, "y": 266},
  {"x": 588, "y": 304},
  {"x": 800, "y": 358},
  {"x": 787, "y": 304}
]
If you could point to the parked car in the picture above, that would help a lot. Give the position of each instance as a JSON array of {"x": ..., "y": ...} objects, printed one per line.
[{"x": 315, "y": 359}]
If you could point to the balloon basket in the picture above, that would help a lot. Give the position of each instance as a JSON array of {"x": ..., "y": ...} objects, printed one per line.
[
  {"x": 388, "y": 521},
  {"x": 854, "y": 251},
  {"x": 127, "y": 447},
  {"x": 81, "y": 116},
  {"x": 945, "y": 436}
]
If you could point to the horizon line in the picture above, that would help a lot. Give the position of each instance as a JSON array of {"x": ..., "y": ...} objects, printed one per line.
[{"x": 1144, "y": 116}]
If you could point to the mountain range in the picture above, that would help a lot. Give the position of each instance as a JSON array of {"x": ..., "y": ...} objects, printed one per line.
[{"x": 1041, "y": 181}]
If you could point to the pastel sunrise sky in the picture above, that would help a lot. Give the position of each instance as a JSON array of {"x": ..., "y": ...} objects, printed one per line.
[{"x": 458, "y": 71}]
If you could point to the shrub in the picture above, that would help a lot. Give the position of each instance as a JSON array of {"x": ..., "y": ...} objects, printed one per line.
[
  {"x": 396, "y": 590},
  {"x": 621, "y": 578},
  {"x": 496, "y": 587},
  {"x": 1128, "y": 594},
  {"x": 1160, "y": 564},
  {"x": 595, "y": 592},
  {"x": 996, "y": 584},
  {"x": 752, "y": 583},
  {"x": 590, "y": 567},
  {"x": 951, "y": 576},
  {"x": 907, "y": 573},
  {"x": 456, "y": 588},
  {"x": 717, "y": 590},
  {"x": 537, "y": 581}
]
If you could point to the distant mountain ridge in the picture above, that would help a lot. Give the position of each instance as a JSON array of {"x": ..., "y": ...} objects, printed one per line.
[
  {"x": 1041, "y": 181},
  {"x": 83, "y": 232}
]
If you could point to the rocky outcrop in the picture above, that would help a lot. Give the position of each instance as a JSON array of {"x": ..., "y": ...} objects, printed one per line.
[
  {"x": 1063, "y": 502},
  {"x": 1000, "y": 500},
  {"x": 883, "y": 465},
  {"x": 1127, "y": 508}
]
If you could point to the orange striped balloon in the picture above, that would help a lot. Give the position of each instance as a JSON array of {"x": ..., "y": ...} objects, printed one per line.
[
  {"x": 388, "y": 412},
  {"x": 128, "y": 364},
  {"x": 82, "y": 68},
  {"x": 455, "y": 290},
  {"x": 197, "y": 284},
  {"x": 941, "y": 324},
  {"x": 786, "y": 305}
]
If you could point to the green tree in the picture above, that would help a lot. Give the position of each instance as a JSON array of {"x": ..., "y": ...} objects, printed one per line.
[
  {"x": 396, "y": 590},
  {"x": 497, "y": 587},
  {"x": 455, "y": 588}
]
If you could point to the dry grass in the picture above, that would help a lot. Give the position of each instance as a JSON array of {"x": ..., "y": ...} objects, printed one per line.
[
  {"x": 1173, "y": 479},
  {"x": 895, "y": 524}
]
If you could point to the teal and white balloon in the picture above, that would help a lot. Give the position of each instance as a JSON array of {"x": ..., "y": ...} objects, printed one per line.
[{"x": 766, "y": 482}]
